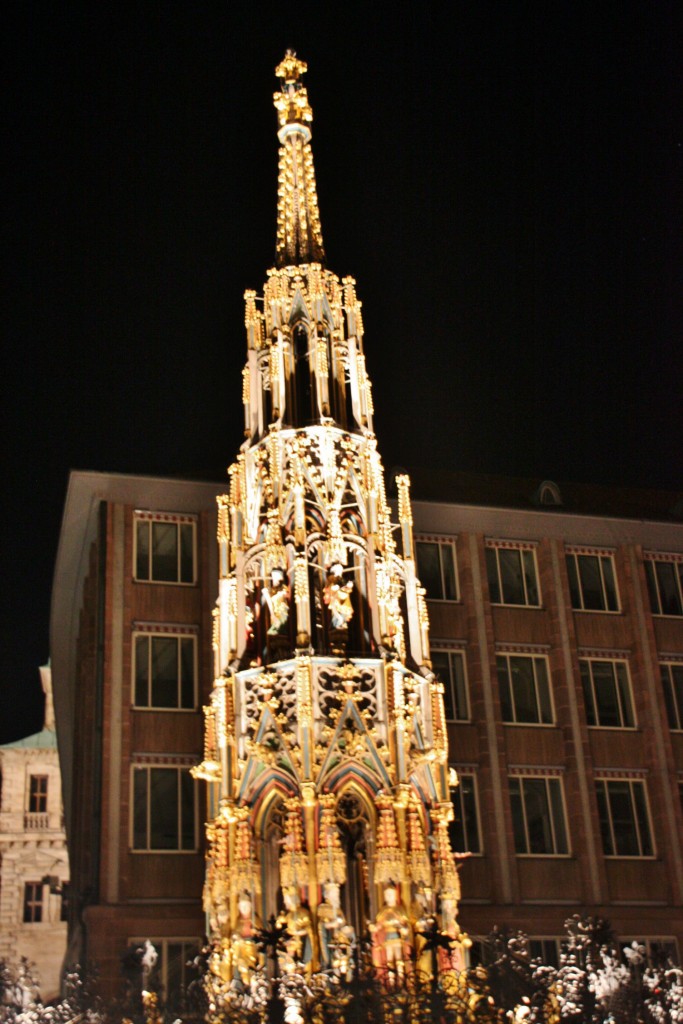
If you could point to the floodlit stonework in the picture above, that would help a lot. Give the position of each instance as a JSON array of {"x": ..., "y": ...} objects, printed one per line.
[{"x": 34, "y": 863}]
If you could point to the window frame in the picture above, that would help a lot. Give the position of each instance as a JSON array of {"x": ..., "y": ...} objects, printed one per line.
[
  {"x": 447, "y": 543},
  {"x": 520, "y": 779},
  {"x": 672, "y": 704},
  {"x": 33, "y": 903},
  {"x": 600, "y": 554},
  {"x": 602, "y": 781},
  {"x": 178, "y": 633},
  {"x": 652, "y": 560},
  {"x": 450, "y": 683},
  {"x": 41, "y": 794},
  {"x": 520, "y": 547},
  {"x": 148, "y": 848},
  {"x": 178, "y": 520},
  {"x": 593, "y": 707},
  {"x": 534, "y": 658}
]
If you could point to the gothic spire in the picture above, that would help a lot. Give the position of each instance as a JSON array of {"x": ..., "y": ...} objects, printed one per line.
[{"x": 299, "y": 236}]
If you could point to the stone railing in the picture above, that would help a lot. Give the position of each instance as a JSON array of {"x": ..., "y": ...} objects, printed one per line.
[{"x": 36, "y": 821}]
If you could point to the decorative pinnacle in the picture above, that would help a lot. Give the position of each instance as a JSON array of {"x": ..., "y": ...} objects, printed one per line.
[
  {"x": 291, "y": 102},
  {"x": 299, "y": 236}
]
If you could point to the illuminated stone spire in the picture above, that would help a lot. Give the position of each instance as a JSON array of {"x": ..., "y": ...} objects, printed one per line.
[{"x": 299, "y": 237}]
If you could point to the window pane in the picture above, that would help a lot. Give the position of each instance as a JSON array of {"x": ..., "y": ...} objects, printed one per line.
[
  {"x": 517, "y": 816},
  {"x": 186, "y": 553},
  {"x": 555, "y": 790},
  {"x": 652, "y": 587},
  {"x": 605, "y": 693},
  {"x": 627, "y": 716},
  {"x": 537, "y": 816},
  {"x": 610, "y": 583},
  {"x": 524, "y": 691},
  {"x": 603, "y": 812},
  {"x": 669, "y": 697},
  {"x": 642, "y": 818},
  {"x": 668, "y": 588},
  {"x": 442, "y": 667},
  {"x": 504, "y": 686},
  {"x": 469, "y": 806},
  {"x": 543, "y": 690},
  {"x": 492, "y": 574},
  {"x": 530, "y": 577},
  {"x": 163, "y": 810},
  {"x": 187, "y": 790},
  {"x": 165, "y": 552},
  {"x": 450, "y": 590},
  {"x": 459, "y": 687},
  {"x": 429, "y": 568},
  {"x": 573, "y": 582},
  {"x": 588, "y": 692},
  {"x": 511, "y": 576},
  {"x": 165, "y": 672},
  {"x": 142, "y": 671},
  {"x": 623, "y": 821},
  {"x": 142, "y": 550},
  {"x": 140, "y": 809},
  {"x": 591, "y": 582},
  {"x": 187, "y": 672}
]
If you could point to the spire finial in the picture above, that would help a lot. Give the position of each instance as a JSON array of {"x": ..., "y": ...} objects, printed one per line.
[{"x": 299, "y": 236}]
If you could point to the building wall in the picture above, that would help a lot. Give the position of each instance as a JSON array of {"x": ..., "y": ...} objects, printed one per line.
[
  {"x": 32, "y": 851},
  {"x": 123, "y": 894},
  {"x": 641, "y": 894}
]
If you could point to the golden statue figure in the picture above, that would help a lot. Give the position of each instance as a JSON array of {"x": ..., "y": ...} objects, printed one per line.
[
  {"x": 277, "y": 599},
  {"x": 336, "y": 936},
  {"x": 246, "y": 956},
  {"x": 299, "y": 940},
  {"x": 337, "y": 597},
  {"x": 391, "y": 939}
]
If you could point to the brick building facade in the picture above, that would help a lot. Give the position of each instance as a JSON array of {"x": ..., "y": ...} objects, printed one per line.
[{"x": 557, "y": 629}]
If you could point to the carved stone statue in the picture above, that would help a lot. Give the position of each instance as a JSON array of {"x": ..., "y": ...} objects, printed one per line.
[
  {"x": 336, "y": 936},
  {"x": 246, "y": 956},
  {"x": 299, "y": 938},
  {"x": 277, "y": 598},
  {"x": 391, "y": 939},
  {"x": 337, "y": 597}
]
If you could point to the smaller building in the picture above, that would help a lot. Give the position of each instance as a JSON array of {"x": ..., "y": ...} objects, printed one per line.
[{"x": 34, "y": 863}]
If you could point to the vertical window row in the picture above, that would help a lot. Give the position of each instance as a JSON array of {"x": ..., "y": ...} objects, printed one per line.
[
  {"x": 464, "y": 830},
  {"x": 624, "y": 818},
  {"x": 165, "y": 671},
  {"x": 538, "y": 817},
  {"x": 665, "y": 585},
  {"x": 672, "y": 683},
  {"x": 450, "y": 668},
  {"x": 524, "y": 689},
  {"x": 607, "y": 693},
  {"x": 436, "y": 569}
]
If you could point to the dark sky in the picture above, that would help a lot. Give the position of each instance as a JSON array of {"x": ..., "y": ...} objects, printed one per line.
[{"x": 502, "y": 179}]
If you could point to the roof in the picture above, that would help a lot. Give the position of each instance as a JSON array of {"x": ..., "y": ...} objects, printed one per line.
[
  {"x": 46, "y": 739},
  {"x": 486, "y": 490}
]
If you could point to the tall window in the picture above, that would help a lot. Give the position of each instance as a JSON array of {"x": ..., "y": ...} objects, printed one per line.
[
  {"x": 164, "y": 816},
  {"x": 672, "y": 682},
  {"x": 665, "y": 585},
  {"x": 624, "y": 818},
  {"x": 538, "y": 816},
  {"x": 545, "y": 950},
  {"x": 165, "y": 548},
  {"x": 450, "y": 668},
  {"x": 33, "y": 902},
  {"x": 436, "y": 569},
  {"x": 607, "y": 693},
  {"x": 524, "y": 689},
  {"x": 512, "y": 575},
  {"x": 592, "y": 582},
  {"x": 37, "y": 794},
  {"x": 464, "y": 829},
  {"x": 165, "y": 671}
]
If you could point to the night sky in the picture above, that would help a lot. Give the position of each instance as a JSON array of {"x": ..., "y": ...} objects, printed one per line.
[{"x": 503, "y": 180}]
